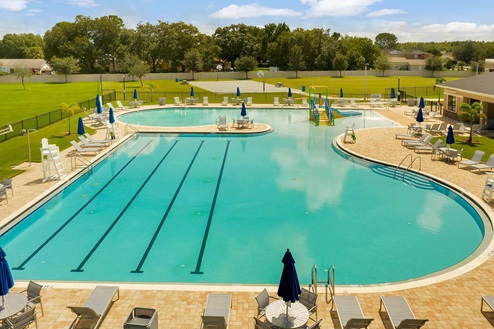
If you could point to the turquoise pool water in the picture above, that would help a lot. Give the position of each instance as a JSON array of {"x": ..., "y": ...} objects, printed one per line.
[{"x": 223, "y": 209}]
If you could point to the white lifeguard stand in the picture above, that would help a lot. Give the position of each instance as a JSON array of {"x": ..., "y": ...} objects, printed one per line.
[
  {"x": 112, "y": 131},
  {"x": 50, "y": 157},
  {"x": 488, "y": 187},
  {"x": 349, "y": 132},
  {"x": 6, "y": 130}
]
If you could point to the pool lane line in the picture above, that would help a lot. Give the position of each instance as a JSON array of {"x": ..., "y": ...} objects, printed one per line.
[
  {"x": 210, "y": 218},
  {"x": 158, "y": 229},
  {"x": 110, "y": 228},
  {"x": 21, "y": 266}
]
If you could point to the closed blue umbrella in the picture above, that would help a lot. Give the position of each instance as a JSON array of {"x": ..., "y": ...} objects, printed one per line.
[
  {"x": 80, "y": 127},
  {"x": 289, "y": 287},
  {"x": 6, "y": 279},
  {"x": 135, "y": 94},
  {"x": 111, "y": 119},
  {"x": 393, "y": 93},
  {"x": 421, "y": 103},
  {"x": 244, "y": 110},
  {"x": 191, "y": 91},
  {"x": 420, "y": 116},
  {"x": 238, "y": 92},
  {"x": 289, "y": 92},
  {"x": 99, "y": 108},
  {"x": 341, "y": 92},
  {"x": 450, "y": 139}
]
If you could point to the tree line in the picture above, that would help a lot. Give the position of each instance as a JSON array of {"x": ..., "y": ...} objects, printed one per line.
[{"x": 104, "y": 44}]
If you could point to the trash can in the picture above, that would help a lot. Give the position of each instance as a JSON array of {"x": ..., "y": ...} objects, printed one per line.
[
  {"x": 162, "y": 100},
  {"x": 411, "y": 102},
  {"x": 303, "y": 88},
  {"x": 176, "y": 79},
  {"x": 142, "y": 318}
]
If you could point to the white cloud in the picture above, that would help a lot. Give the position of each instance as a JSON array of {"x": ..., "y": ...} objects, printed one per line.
[
  {"x": 83, "y": 3},
  {"x": 14, "y": 5},
  {"x": 252, "y": 10},
  {"x": 33, "y": 12},
  {"x": 321, "y": 8},
  {"x": 386, "y": 12}
]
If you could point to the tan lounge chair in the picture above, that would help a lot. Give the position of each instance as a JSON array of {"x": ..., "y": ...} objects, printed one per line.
[
  {"x": 350, "y": 313},
  {"x": 92, "y": 314},
  {"x": 217, "y": 312},
  {"x": 399, "y": 313}
]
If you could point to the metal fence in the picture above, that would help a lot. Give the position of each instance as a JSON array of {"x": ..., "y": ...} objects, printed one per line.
[{"x": 46, "y": 119}]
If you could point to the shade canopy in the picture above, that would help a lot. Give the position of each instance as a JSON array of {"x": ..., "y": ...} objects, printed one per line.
[
  {"x": 111, "y": 119},
  {"x": 6, "y": 279},
  {"x": 289, "y": 287},
  {"x": 243, "y": 112},
  {"x": 341, "y": 92},
  {"x": 191, "y": 91},
  {"x": 238, "y": 91},
  {"x": 420, "y": 116},
  {"x": 80, "y": 127},
  {"x": 450, "y": 139},
  {"x": 289, "y": 92},
  {"x": 393, "y": 93},
  {"x": 99, "y": 107},
  {"x": 421, "y": 103},
  {"x": 135, "y": 94}
]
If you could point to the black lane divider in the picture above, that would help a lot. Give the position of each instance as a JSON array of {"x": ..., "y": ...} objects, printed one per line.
[
  {"x": 211, "y": 212},
  {"x": 103, "y": 237},
  {"x": 21, "y": 266},
  {"x": 158, "y": 229}
]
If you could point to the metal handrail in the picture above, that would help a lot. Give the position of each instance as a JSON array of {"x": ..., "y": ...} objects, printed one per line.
[
  {"x": 398, "y": 166},
  {"x": 128, "y": 125},
  {"x": 329, "y": 284},
  {"x": 88, "y": 164}
]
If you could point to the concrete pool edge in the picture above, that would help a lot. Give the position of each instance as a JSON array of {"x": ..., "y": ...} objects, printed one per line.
[{"x": 480, "y": 255}]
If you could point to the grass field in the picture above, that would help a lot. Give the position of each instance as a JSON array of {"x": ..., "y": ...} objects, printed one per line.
[{"x": 38, "y": 98}]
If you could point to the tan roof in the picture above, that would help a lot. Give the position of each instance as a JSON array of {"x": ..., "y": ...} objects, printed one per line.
[{"x": 21, "y": 62}]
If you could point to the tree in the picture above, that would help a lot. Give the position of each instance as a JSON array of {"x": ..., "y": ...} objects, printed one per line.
[
  {"x": 465, "y": 51},
  {"x": 139, "y": 70},
  {"x": 471, "y": 114},
  {"x": 433, "y": 63},
  {"x": 296, "y": 60},
  {"x": 340, "y": 63},
  {"x": 279, "y": 51},
  {"x": 382, "y": 63},
  {"x": 20, "y": 46},
  {"x": 477, "y": 66},
  {"x": 461, "y": 65},
  {"x": 150, "y": 86},
  {"x": 235, "y": 41},
  {"x": 386, "y": 40},
  {"x": 193, "y": 61},
  {"x": 70, "y": 110},
  {"x": 23, "y": 73},
  {"x": 65, "y": 66},
  {"x": 246, "y": 64}
]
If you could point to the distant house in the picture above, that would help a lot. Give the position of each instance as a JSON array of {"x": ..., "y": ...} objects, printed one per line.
[
  {"x": 416, "y": 54},
  {"x": 477, "y": 88},
  {"x": 489, "y": 64},
  {"x": 402, "y": 63},
  {"x": 37, "y": 66}
]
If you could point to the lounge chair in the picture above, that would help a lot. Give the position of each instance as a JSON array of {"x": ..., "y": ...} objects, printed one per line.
[
  {"x": 349, "y": 312},
  {"x": 86, "y": 143},
  {"x": 110, "y": 106},
  {"x": 410, "y": 112},
  {"x": 178, "y": 101},
  {"x": 262, "y": 302},
  {"x": 353, "y": 103},
  {"x": 80, "y": 150},
  {"x": 476, "y": 158},
  {"x": 98, "y": 141},
  {"x": 399, "y": 313},
  {"x": 221, "y": 122},
  {"x": 120, "y": 106},
  {"x": 431, "y": 117},
  {"x": 225, "y": 101},
  {"x": 434, "y": 128},
  {"x": 33, "y": 293},
  {"x": 443, "y": 128},
  {"x": 22, "y": 319},
  {"x": 276, "y": 101},
  {"x": 459, "y": 128},
  {"x": 304, "y": 102},
  {"x": 423, "y": 140},
  {"x": 434, "y": 148},
  {"x": 217, "y": 312},
  {"x": 205, "y": 101},
  {"x": 309, "y": 300},
  {"x": 488, "y": 165},
  {"x": 249, "y": 101},
  {"x": 92, "y": 314}
]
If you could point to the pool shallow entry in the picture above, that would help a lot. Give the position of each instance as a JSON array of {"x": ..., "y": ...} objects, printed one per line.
[{"x": 220, "y": 209}]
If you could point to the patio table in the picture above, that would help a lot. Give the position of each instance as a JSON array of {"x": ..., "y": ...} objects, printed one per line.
[{"x": 297, "y": 316}]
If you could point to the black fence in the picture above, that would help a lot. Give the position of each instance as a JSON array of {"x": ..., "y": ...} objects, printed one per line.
[{"x": 46, "y": 119}]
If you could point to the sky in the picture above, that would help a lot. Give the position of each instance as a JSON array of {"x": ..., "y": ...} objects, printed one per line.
[{"x": 409, "y": 20}]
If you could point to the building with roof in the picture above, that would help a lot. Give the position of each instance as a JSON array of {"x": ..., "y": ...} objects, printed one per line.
[
  {"x": 37, "y": 66},
  {"x": 402, "y": 63},
  {"x": 477, "y": 88}
]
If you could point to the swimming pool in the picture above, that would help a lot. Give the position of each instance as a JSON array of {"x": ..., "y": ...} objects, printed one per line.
[{"x": 223, "y": 209}]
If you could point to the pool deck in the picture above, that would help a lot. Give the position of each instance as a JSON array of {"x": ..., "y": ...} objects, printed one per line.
[{"x": 448, "y": 302}]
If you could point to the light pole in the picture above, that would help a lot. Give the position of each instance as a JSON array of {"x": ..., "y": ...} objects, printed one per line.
[
  {"x": 365, "y": 82},
  {"x": 123, "y": 77},
  {"x": 27, "y": 131}
]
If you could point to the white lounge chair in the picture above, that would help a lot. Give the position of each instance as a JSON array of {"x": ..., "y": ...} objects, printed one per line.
[
  {"x": 86, "y": 143},
  {"x": 178, "y": 101},
  {"x": 249, "y": 101},
  {"x": 221, "y": 122},
  {"x": 350, "y": 313},
  {"x": 92, "y": 314},
  {"x": 205, "y": 101},
  {"x": 488, "y": 165},
  {"x": 399, "y": 313},
  {"x": 276, "y": 101},
  {"x": 429, "y": 148},
  {"x": 304, "y": 102},
  {"x": 430, "y": 117},
  {"x": 80, "y": 150},
  {"x": 476, "y": 158},
  {"x": 120, "y": 106},
  {"x": 415, "y": 142},
  {"x": 225, "y": 101},
  {"x": 110, "y": 106},
  {"x": 217, "y": 312},
  {"x": 353, "y": 103},
  {"x": 98, "y": 141}
]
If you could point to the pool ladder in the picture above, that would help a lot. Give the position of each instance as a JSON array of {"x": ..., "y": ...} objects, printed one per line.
[
  {"x": 412, "y": 160},
  {"x": 328, "y": 284}
]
